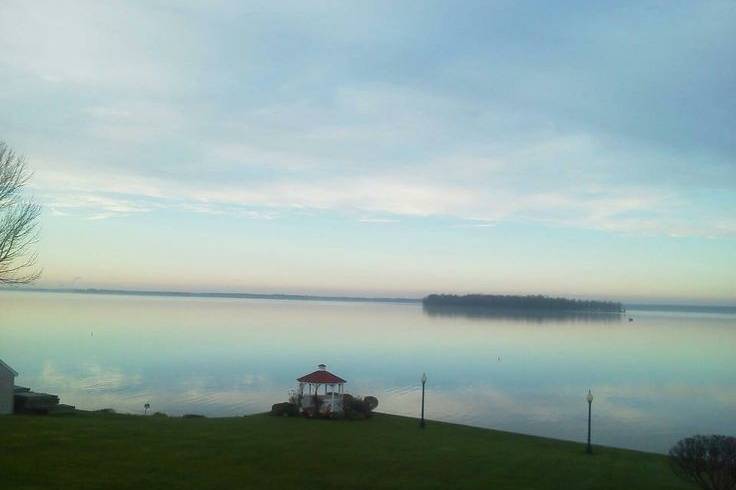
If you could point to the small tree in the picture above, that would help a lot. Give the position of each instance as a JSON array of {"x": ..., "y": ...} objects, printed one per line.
[
  {"x": 18, "y": 221},
  {"x": 708, "y": 461}
]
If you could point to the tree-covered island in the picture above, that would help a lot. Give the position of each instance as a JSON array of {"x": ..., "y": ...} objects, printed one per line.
[{"x": 520, "y": 303}]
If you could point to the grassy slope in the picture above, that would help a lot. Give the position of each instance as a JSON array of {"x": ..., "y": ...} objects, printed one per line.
[{"x": 118, "y": 451}]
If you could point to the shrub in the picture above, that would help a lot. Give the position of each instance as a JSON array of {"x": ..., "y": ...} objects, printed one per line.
[
  {"x": 284, "y": 409},
  {"x": 357, "y": 408},
  {"x": 310, "y": 412},
  {"x": 359, "y": 405},
  {"x": 372, "y": 402},
  {"x": 708, "y": 461}
]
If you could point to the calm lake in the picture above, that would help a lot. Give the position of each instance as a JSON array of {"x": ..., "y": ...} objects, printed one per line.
[{"x": 655, "y": 380}]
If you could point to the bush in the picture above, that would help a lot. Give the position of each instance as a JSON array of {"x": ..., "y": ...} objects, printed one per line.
[
  {"x": 284, "y": 409},
  {"x": 360, "y": 406},
  {"x": 708, "y": 461},
  {"x": 357, "y": 408},
  {"x": 372, "y": 402},
  {"x": 192, "y": 416}
]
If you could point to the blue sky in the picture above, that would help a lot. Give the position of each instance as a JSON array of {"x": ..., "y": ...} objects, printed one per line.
[{"x": 577, "y": 148}]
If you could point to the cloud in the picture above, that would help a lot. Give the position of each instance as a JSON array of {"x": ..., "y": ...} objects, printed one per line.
[
  {"x": 634, "y": 209},
  {"x": 101, "y": 206},
  {"x": 263, "y": 110},
  {"x": 89, "y": 46},
  {"x": 133, "y": 122},
  {"x": 396, "y": 193},
  {"x": 378, "y": 220}
]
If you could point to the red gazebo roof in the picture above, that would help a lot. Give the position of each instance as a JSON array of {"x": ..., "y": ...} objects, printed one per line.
[{"x": 323, "y": 377}]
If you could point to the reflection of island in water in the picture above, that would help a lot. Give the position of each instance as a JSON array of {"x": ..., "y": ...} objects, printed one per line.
[{"x": 537, "y": 309}]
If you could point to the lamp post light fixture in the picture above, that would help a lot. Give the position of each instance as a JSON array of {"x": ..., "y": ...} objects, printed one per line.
[
  {"x": 589, "y": 398},
  {"x": 424, "y": 381}
]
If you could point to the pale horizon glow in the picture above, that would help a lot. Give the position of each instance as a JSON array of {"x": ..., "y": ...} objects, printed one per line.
[{"x": 381, "y": 148}]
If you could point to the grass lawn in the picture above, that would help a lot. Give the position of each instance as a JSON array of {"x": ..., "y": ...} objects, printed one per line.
[{"x": 123, "y": 451}]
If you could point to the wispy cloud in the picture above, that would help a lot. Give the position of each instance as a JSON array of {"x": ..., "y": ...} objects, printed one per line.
[
  {"x": 378, "y": 220},
  {"x": 549, "y": 139},
  {"x": 633, "y": 209},
  {"x": 615, "y": 119}
]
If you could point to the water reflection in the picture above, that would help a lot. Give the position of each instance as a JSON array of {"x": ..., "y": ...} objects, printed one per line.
[
  {"x": 530, "y": 316},
  {"x": 662, "y": 378}
]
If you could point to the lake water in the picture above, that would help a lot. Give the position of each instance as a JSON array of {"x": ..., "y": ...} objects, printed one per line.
[{"x": 655, "y": 380}]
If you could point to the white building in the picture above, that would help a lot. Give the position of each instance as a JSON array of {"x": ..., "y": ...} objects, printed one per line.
[{"x": 7, "y": 381}]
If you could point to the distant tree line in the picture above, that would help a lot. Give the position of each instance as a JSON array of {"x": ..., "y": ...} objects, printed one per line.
[{"x": 531, "y": 302}]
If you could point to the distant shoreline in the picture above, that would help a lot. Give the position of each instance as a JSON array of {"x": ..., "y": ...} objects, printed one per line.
[
  {"x": 716, "y": 309},
  {"x": 630, "y": 307},
  {"x": 190, "y": 294}
]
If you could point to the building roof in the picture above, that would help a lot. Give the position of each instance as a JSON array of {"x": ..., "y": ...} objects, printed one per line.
[
  {"x": 12, "y": 371},
  {"x": 321, "y": 376}
]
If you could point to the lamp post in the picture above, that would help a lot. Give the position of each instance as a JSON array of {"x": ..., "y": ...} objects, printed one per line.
[
  {"x": 424, "y": 381},
  {"x": 589, "y": 398}
]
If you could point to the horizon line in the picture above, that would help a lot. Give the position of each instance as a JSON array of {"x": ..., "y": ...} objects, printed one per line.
[{"x": 730, "y": 308}]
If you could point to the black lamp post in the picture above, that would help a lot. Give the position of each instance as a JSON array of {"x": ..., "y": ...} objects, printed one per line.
[
  {"x": 424, "y": 381},
  {"x": 589, "y": 449}
]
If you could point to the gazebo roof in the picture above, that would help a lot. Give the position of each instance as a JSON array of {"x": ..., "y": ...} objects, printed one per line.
[{"x": 323, "y": 377}]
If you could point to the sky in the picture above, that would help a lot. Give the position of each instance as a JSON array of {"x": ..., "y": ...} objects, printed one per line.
[{"x": 379, "y": 148}]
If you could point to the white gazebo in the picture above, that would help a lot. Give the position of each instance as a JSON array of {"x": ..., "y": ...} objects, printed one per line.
[{"x": 316, "y": 381}]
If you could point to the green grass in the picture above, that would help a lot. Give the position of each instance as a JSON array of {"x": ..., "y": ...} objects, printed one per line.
[{"x": 110, "y": 451}]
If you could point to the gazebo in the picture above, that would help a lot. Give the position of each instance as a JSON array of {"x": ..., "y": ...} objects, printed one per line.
[{"x": 316, "y": 380}]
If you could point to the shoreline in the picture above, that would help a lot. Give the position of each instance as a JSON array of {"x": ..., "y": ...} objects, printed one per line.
[{"x": 658, "y": 307}]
